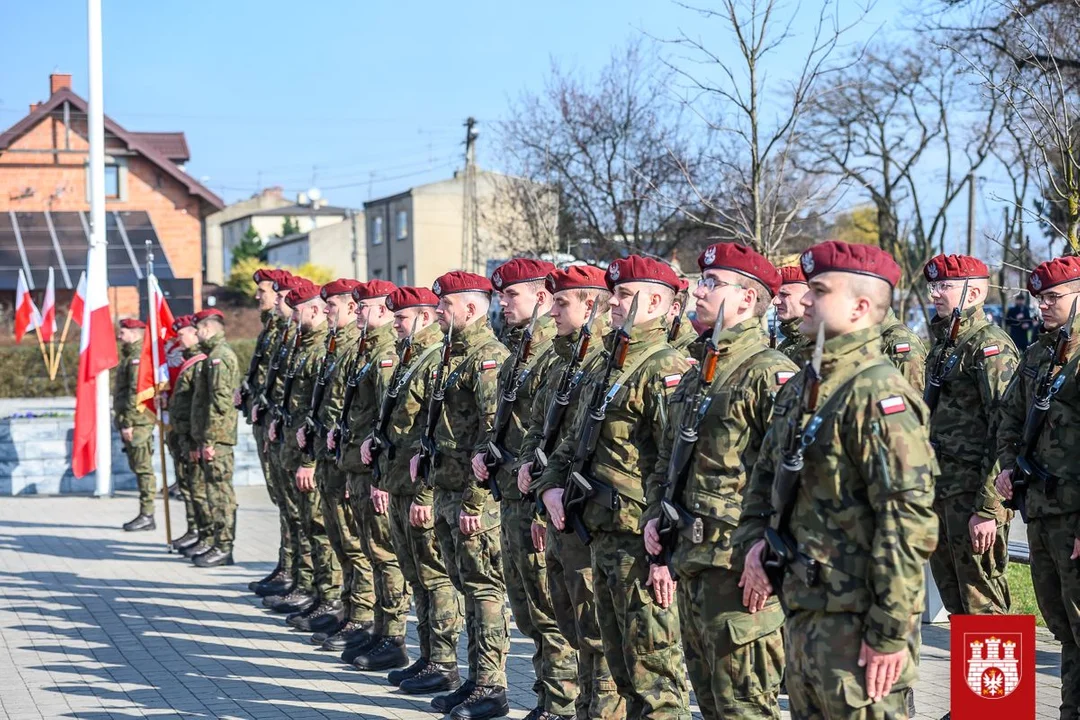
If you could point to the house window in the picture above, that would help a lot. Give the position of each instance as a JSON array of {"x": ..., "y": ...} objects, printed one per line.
[
  {"x": 377, "y": 231},
  {"x": 402, "y": 274},
  {"x": 116, "y": 175},
  {"x": 112, "y": 182},
  {"x": 402, "y": 225}
]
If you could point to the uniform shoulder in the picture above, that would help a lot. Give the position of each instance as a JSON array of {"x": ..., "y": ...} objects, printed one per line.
[
  {"x": 885, "y": 388},
  {"x": 990, "y": 333}
]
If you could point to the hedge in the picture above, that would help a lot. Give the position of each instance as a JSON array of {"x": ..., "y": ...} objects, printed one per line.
[{"x": 23, "y": 373}]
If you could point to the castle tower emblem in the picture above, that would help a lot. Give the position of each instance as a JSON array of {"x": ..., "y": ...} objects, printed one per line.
[{"x": 993, "y": 667}]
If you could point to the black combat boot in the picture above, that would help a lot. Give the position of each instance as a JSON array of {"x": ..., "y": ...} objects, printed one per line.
[
  {"x": 140, "y": 522},
  {"x": 273, "y": 575},
  {"x": 296, "y": 601},
  {"x": 438, "y": 677},
  {"x": 361, "y": 645},
  {"x": 214, "y": 558},
  {"x": 350, "y": 634},
  {"x": 270, "y": 601},
  {"x": 325, "y": 616},
  {"x": 388, "y": 654},
  {"x": 483, "y": 703},
  {"x": 396, "y": 676},
  {"x": 197, "y": 549},
  {"x": 186, "y": 540}
]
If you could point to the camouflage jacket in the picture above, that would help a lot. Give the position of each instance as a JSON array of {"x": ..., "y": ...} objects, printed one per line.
[
  {"x": 286, "y": 333},
  {"x": 334, "y": 372},
  {"x": 1060, "y": 433},
  {"x": 273, "y": 327},
  {"x": 632, "y": 431},
  {"x": 795, "y": 345},
  {"x": 904, "y": 348},
  {"x": 373, "y": 369},
  {"x": 127, "y": 411},
  {"x": 409, "y": 416},
  {"x": 969, "y": 405},
  {"x": 748, "y": 376},
  {"x": 183, "y": 393},
  {"x": 472, "y": 393},
  {"x": 864, "y": 505},
  {"x": 533, "y": 373},
  {"x": 687, "y": 336},
  {"x": 306, "y": 367},
  {"x": 213, "y": 415}
]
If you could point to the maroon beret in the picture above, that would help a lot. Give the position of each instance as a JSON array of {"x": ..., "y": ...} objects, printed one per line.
[
  {"x": 132, "y": 324},
  {"x": 955, "y": 267},
  {"x": 407, "y": 297},
  {"x": 286, "y": 281},
  {"x": 576, "y": 277},
  {"x": 373, "y": 289},
  {"x": 684, "y": 284},
  {"x": 743, "y": 260},
  {"x": 184, "y": 321},
  {"x": 303, "y": 290},
  {"x": 637, "y": 268},
  {"x": 341, "y": 286},
  {"x": 837, "y": 256},
  {"x": 520, "y": 270},
  {"x": 1054, "y": 272},
  {"x": 209, "y": 313},
  {"x": 460, "y": 281},
  {"x": 264, "y": 275},
  {"x": 790, "y": 274}
]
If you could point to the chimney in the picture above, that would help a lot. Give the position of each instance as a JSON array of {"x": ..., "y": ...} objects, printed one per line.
[
  {"x": 59, "y": 81},
  {"x": 34, "y": 106},
  {"x": 276, "y": 191}
]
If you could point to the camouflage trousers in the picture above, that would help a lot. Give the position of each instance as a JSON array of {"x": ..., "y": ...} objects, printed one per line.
[
  {"x": 570, "y": 583},
  {"x": 439, "y": 611},
  {"x": 1057, "y": 589},
  {"x": 340, "y": 521},
  {"x": 140, "y": 454},
  {"x": 391, "y": 595},
  {"x": 218, "y": 473},
  {"x": 641, "y": 639},
  {"x": 969, "y": 584},
  {"x": 300, "y": 545},
  {"x": 525, "y": 570},
  {"x": 735, "y": 659},
  {"x": 276, "y": 493},
  {"x": 824, "y": 679},
  {"x": 326, "y": 570},
  {"x": 183, "y": 467},
  {"x": 474, "y": 563},
  {"x": 200, "y": 499}
]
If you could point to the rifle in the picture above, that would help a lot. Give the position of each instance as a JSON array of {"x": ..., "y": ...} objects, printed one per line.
[
  {"x": 1025, "y": 469},
  {"x": 253, "y": 368},
  {"x": 379, "y": 439},
  {"x": 674, "y": 519},
  {"x": 281, "y": 356},
  {"x": 280, "y": 413},
  {"x": 781, "y": 549},
  {"x": 579, "y": 489},
  {"x": 946, "y": 360},
  {"x": 312, "y": 428},
  {"x": 429, "y": 450},
  {"x": 496, "y": 455},
  {"x": 676, "y": 324},
  {"x": 340, "y": 432}
]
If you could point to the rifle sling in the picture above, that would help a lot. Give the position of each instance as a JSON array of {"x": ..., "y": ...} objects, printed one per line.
[{"x": 961, "y": 343}]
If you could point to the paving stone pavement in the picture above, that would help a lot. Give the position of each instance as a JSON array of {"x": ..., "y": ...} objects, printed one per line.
[{"x": 96, "y": 623}]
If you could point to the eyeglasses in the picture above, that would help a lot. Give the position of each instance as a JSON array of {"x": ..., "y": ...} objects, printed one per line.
[
  {"x": 941, "y": 287},
  {"x": 1050, "y": 298},
  {"x": 711, "y": 283}
]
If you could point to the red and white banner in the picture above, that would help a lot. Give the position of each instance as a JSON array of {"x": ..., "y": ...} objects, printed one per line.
[
  {"x": 27, "y": 317},
  {"x": 78, "y": 300},
  {"x": 156, "y": 376},
  {"x": 97, "y": 354},
  {"x": 48, "y": 310},
  {"x": 993, "y": 667}
]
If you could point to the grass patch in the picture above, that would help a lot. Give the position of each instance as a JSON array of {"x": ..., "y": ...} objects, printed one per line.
[{"x": 1023, "y": 594}]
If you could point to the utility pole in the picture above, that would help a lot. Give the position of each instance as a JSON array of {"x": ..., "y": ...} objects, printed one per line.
[
  {"x": 971, "y": 214},
  {"x": 469, "y": 237}
]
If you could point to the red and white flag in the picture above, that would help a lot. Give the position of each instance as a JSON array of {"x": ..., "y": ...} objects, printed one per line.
[
  {"x": 27, "y": 317},
  {"x": 97, "y": 354},
  {"x": 78, "y": 301},
  {"x": 48, "y": 310},
  {"x": 155, "y": 376}
]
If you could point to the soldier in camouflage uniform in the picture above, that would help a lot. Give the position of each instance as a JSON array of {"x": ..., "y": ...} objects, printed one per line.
[
  {"x": 735, "y": 658},
  {"x": 523, "y": 292},
  {"x": 569, "y": 562},
  {"x": 385, "y": 584},
  {"x": 134, "y": 421},
  {"x": 467, "y": 516},
  {"x": 976, "y": 365},
  {"x": 179, "y": 438},
  {"x": 904, "y": 348},
  {"x": 638, "y": 621},
  {"x": 860, "y": 514},
  {"x": 788, "y": 304},
  {"x": 1052, "y": 503},
  {"x": 439, "y": 611},
  {"x": 213, "y": 428},
  {"x": 681, "y": 334}
]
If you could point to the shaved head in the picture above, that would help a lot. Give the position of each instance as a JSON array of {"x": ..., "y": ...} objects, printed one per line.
[{"x": 876, "y": 290}]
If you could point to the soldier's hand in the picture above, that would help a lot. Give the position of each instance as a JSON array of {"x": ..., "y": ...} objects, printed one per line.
[
  {"x": 663, "y": 586},
  {"x": 419, "y": 515},
  {"x": 1076, "y": 549},
  {"x": 330, "y": 444},
  {"x": 380, "y": 500},
  {"x": 479, "y": 469},
  {"x": 127, "y": 434},
  {"x": 652, "y": 537},
  {"x": 982, "y": 533},
  {"x": 525, "y": 477},
  {"x": 539, "y": 536},
  {"x": 305, "y": 479},
  {"x": 553, "y": 504},
  {"x": 365, "y": 451},
  {"x": 754, "y": 582},
  {"x": 414, "y": 467},
  {"x": 254, "y": 414},
  {"x": 882, "y": 670},
  {"x": 300, "y": 438},
  {"x": 193, "y": 455},
  {"x": 236, "y": 397},
  {"x": 272, "y": 432},
  {"x": 1003, "y": 483},
  {"x": 208, "y": 452},
  {"x": 469, "y": 524}
]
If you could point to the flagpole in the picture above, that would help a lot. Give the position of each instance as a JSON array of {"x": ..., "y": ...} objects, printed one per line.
[
  {"x": 60, "y": 351},
  {"x": 41, "y": 344},
  {"x": 152, "y": 301},
  {"x": 95, "y": 119}
]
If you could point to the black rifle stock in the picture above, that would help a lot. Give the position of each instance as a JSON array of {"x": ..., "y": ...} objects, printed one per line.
[
  {"x": 279, "y": 414},
  {"x": 253, "y": 370},
  {"x": 262, "y": 403},
  {"x": 380, "y": 440},
  {"x": 340, "y": 432},
  {"x": 312, "y": 428},
  {"x": 429, "y": 450}
]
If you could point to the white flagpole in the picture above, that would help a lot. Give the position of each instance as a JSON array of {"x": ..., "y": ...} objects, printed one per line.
[
  {"x": 152, "y": 293},
  {"x": 98, "y": 240}
]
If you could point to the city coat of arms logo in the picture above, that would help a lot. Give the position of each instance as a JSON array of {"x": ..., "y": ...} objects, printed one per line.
[
  {"x": 992, "y": 667},
  {"x": 993, "y": 664}
]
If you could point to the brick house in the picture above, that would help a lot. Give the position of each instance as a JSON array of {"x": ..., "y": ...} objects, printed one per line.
[{"x": 44, "y": 204}]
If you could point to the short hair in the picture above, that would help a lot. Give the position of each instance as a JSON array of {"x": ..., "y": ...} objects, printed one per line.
[
  {"x": 876, "y": 290},
  {"x": 598, "y": 296},
  {"x": 683, "y": 298},
  {"x": 667, "y": 297},
  {"x": 482, "y": 300},
  {"x": 764, "y": 299}
]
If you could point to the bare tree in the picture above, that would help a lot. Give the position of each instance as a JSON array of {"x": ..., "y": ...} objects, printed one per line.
[
  {"x": 518, "y": 216},
  {"x": 609, "y": 145}
]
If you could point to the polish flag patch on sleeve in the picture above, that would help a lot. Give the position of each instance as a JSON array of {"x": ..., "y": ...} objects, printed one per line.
[
  {"x": 489, "y": 365},
  {"x": 991, "y": 351},
  {"x": 215, "y": 361},
  {"x": 892, "y": 405},
  {"x": 388, "y": 362},
  {"x": 902, "y": 347},
  {"x": 783, "y": 376},
  {"x": 671, "y": 381},
  {"x": 692, "y": 361}
]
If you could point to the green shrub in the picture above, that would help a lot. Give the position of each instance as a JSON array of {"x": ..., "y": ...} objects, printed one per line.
[{"x": 241, "y": 281}]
